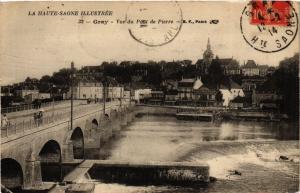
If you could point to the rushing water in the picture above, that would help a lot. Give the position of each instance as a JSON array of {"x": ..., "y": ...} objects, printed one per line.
[{"x": 252, "y": 148}]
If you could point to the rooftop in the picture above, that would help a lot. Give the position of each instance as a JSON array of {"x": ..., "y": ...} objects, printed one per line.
[
  {"x": 250, "y": 64},
  {"x": 234, "y": 85}
]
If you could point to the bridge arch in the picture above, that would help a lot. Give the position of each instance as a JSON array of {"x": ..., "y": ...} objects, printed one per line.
[
  {"x": 95, "y": 124},
  {"x": 114, "y": 112},
  {"x": 78, "y": 143},
  {"x": 50, "y": 158},
  {"x": 11, "y": 174}
]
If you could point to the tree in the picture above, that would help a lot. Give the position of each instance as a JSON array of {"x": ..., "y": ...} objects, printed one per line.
[
  {"x": 28, "y": 80},
  {"x": 285, "y": 81},
  {"x": 6, "y": 101},
  {"x": 215, "y": 73},
  {"x": 44, "y": 83},
  {"x": 62, "y": 77},
  {"x": 288, "y": 84}
]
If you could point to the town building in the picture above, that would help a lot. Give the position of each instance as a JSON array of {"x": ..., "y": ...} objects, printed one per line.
[
  {"x": 262, "y": 97},
  {"x": 170, "y": 84},
  {"x": 263, "y": 70},
  {"x": 186, "y": 87},
  {"x": 226, "y": 95},
  {"x": 89, "y": 73},
  {"x": 35, "y": 96},
  {"x": 115, "y": 92},
  {"x": 251, "y": 83},
  {"x": 236, "y": 90},
  {"x": 205, "y": 96},
  {"x": 23, "y": 92},
  {"x": 7, "y": 90},
  {"x": 93, "y": 90},
  {"x": 157, "y": 97},
  {"x": 231, "y": 67},
  {"x": 250, "y": 69},
  {"x": 171, "y": 97},
  {"x": 86, "y": 90},
  {"x": 230, "y": 92},
  {"x": 140, "y": 95},
  {"x": 192, "y": 91},
  {"x": 271, "y": 70},
  {"x": 240, "y": 102},
  {"x": 127, "y": 94}
]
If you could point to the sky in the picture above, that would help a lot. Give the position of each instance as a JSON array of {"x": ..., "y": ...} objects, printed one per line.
[{"x": 40, "y": 45}]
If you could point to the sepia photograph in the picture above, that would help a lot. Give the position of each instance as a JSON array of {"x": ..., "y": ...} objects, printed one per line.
[{"x": 149, "y": 96}]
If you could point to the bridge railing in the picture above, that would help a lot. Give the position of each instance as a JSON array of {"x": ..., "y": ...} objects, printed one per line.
[
  {"x": 31, "y": 106},
  {"x": 23, "y": 126}
]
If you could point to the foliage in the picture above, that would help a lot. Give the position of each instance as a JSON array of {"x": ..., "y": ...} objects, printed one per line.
[
  {"x": 215, "y": 73},
  {"x": 44, "y": 85},
  {"x": 6, "y": 101},
  {"x": 285, "y": 81}
]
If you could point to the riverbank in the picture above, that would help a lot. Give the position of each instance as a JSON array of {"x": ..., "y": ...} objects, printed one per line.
[{"x": 211, "y": 113}]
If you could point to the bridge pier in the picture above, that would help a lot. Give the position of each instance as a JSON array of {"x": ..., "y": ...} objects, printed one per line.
[
  {"x": 115, "y": 122},
  {"x": 123, "y": 119},
  {"x": 130, "y": 116},
  {"x": 92, "y": 146},
  {"x": 116, "y": 126},
  {"x": 106, "y": 131},
  {"x": 67, "y": 152},
  {"x": 33, "y": 176}
]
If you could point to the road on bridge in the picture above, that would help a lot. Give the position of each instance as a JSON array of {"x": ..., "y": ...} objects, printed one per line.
[
  {"x": 55, "y": 110},
  {"x": 23, "y": 121}
]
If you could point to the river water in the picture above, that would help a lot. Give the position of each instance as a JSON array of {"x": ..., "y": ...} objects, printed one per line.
[{"x": 251, "y": 148}]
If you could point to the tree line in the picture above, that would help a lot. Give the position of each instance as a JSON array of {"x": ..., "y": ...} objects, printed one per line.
[{"x": 284, "y": 80}]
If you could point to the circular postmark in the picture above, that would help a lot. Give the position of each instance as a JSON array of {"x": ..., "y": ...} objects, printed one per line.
[
  {"x": 269, "y": 27},
  {"x": 154, "y": 23}
]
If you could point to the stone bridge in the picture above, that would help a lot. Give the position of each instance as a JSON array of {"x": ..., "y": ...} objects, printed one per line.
[{"x": 34, "y": 156}]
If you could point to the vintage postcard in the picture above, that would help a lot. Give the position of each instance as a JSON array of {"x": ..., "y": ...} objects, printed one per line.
[{"x": 149, "y": 96}]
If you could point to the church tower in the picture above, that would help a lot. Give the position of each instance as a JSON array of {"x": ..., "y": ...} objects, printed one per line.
[
  {"x": 208, "y": 54},
  {"x": 207, "y": 58}
]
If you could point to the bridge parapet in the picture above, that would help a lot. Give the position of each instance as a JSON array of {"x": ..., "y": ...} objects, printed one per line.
[{"x": 32, "y": 124}]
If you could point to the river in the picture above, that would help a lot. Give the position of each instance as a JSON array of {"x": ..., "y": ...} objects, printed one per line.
[{"x": 251, "y": 148}]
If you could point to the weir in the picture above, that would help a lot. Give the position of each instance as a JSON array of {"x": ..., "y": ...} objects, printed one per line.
[{"x": 141, "y": 173}]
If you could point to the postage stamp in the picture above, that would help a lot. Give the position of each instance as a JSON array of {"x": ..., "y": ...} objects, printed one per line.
[
  {"x": 270, "y": 12},
  {"x": 269, "y": 26}
]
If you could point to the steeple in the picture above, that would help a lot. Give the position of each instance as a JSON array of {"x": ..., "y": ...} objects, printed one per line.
[
  {"x": 206, "y": 61},
  {"x": 208, "y": 54},
  {"x": 208, "y": 45}
]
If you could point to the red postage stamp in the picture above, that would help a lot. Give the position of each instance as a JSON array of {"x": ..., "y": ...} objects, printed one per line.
[{"x": 270, "y": 12}]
